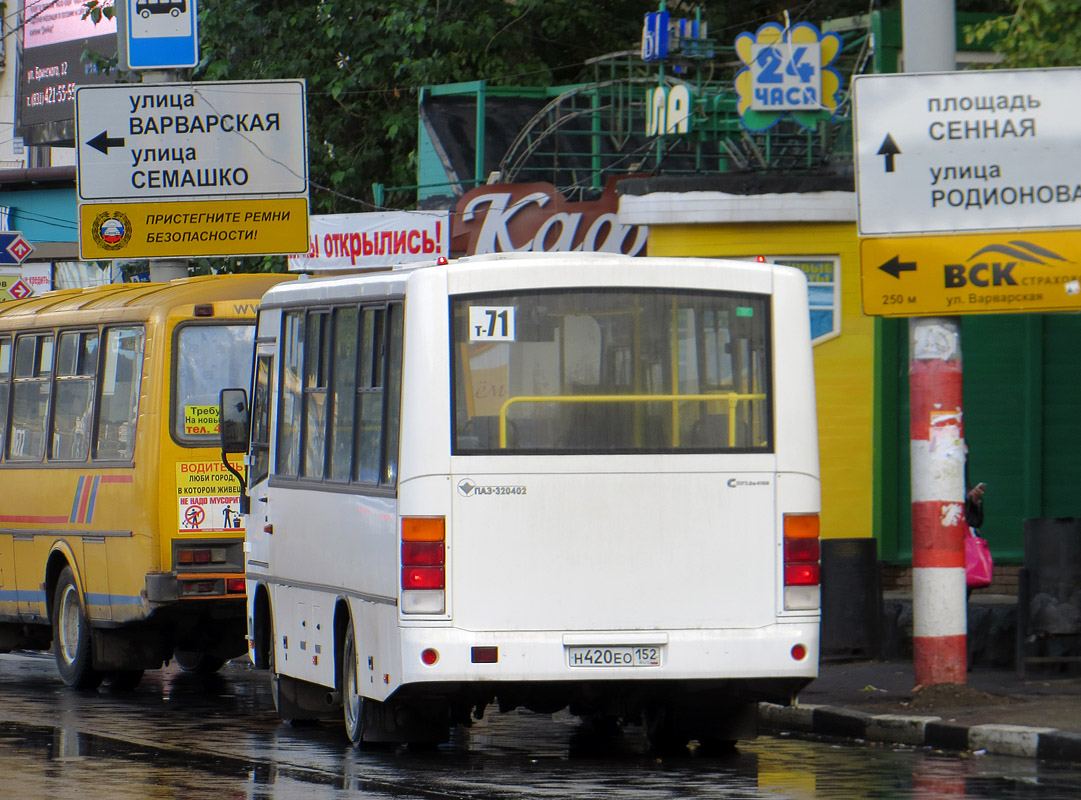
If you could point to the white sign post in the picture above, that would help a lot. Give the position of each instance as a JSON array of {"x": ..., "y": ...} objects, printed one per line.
[
  {"x": 226, "y": 139},
  {"x": 967, "y": 151}
]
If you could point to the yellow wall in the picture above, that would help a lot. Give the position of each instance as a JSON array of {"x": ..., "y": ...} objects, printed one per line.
[{"x": 844, "y": 371}]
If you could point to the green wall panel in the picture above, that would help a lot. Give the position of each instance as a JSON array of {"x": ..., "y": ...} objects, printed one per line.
[{"x": 1022, "y": 416}]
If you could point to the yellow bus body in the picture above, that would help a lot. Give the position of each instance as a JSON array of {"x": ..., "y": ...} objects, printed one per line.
[{"x": 117, "y": 524}]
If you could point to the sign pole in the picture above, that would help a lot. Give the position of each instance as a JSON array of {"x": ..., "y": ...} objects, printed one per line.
[
  {"x": 939, "y": 624},
  {"x": 163, "y": 270},
  {"x": 937, "y": 446}
]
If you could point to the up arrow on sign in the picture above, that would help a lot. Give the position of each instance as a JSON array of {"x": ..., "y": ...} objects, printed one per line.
[{"x": 14, "y": 249}]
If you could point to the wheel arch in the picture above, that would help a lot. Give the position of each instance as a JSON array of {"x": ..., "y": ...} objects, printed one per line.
[
  {"x": 343, "y": 618},
  {"x": 262, "y": 627},
  {"x": 60, "y": 557}
]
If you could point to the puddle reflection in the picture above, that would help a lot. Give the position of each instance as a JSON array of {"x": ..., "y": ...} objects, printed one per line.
[
  {"x": 181, "y": 735},
  {"x": 40, "y": 761}
]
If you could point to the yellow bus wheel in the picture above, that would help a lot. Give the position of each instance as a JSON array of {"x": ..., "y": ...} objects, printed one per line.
[{"x": 72, "y": 635}]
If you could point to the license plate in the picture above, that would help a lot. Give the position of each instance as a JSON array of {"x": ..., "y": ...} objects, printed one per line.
[{"x": 620, "y": 656}]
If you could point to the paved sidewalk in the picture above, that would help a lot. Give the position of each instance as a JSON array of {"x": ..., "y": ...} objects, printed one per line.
[{"x": 997, "y": 712}]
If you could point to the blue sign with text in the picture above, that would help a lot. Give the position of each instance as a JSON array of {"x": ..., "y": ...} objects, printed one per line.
[{"x": 159, "y": 34}]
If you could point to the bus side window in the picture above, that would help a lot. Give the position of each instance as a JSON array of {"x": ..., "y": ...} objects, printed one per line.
[
  {"x": 316, "y": 374},
  {"x": 121, "y": 376},
  {"x": 5, "y": 375},
  {"x": 343, "y": 393},
  {"x": 290, "y": 395},
  {"x": 260, "y": 415},
  {"x": 30, "y": 397},
  {"x": 75, "y": 369},
  {"x": 370, "y": 378},
  {"x": 394, "y": 395}
]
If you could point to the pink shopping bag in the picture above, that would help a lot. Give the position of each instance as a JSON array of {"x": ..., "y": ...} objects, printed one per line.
[{"x": 979, "y": 566}]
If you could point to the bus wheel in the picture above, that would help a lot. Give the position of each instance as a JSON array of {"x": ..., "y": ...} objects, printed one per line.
[
  {"x": 352, "y": 701},
  {"x": 72, "y": 636},
  {"x": 198, "y": 662}
]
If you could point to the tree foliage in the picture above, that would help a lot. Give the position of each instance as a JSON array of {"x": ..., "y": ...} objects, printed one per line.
[
  {"x": 366, "y": 60},
  {"x": 1037, "y": 33}
]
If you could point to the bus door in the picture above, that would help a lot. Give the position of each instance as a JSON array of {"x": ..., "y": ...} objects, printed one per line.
[{"x": 259, "y": 524}]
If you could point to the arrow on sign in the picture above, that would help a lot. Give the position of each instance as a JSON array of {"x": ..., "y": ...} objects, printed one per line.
[
  {"x": 13, "y": 247},
  {"x": 889, "y": 149},
  {"x": 102, "y": 142},
  {"x": 895, "y": 266}
]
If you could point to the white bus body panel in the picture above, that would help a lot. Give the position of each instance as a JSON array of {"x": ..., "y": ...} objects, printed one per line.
[{"x": 584, "y": 553}]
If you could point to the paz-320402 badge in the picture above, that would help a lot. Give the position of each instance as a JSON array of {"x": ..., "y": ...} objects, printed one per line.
[{"x": 111, "y": 230}]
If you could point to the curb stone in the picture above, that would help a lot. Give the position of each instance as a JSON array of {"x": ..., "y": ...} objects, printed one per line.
[{"x": 919, "y": 731}]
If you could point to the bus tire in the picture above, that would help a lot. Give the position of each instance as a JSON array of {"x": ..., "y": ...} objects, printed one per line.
[
  {"x": 197, "y": 661},
  {"x": 353, "y": 703},
  {"x": 72, "y": 637}
]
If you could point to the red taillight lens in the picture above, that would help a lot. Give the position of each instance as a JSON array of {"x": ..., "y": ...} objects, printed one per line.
[
  {"x": 422, "y": 577},
  {"x": 801, "y": 574},
  {"x": 801, "y": 550},
  {"x": 234, "y": 586},
  {"x": 422, "y": 554},
  {"x": 484, "y": 655}
]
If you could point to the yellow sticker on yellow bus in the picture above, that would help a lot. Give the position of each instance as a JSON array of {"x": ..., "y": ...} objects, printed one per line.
[
  {"x": 200, "y": 419},
  {"x": 208, "y": 497}
]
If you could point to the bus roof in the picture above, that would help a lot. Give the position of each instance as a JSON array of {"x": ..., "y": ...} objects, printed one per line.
[
  {"x": 609, "y": 268},
  {"x": 133, "y": 300}
]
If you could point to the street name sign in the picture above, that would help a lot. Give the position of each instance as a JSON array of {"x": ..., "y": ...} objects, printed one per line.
[
  {"x": 191, "y": 140},
  {"x": 221, "y": 168},
  {"x": 158, "y": 34},
  {"x": 967, "y": 151},
  {"x": 942, "y": 275}
]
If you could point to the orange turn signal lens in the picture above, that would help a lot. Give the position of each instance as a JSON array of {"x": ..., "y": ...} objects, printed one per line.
[
  {"x": 801, "y": 526},
  {"x": 424, "y": 529}
]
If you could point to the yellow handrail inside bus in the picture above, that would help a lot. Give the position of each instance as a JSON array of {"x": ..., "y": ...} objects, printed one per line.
[{"x": 733, "y": 398}]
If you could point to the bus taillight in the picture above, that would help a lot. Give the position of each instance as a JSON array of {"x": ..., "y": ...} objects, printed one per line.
[
  {"x": 187, "y": 556},
  {"x": 801, "y": 562},
  {"x": 423, "y": 565}
]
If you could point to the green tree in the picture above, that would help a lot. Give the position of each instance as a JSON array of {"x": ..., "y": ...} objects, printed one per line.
[
  {"x": 365, "y": 61},
  {"x": 1036, "y": 33}
]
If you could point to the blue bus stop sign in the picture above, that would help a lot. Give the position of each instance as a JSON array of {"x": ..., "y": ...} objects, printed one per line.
[{"x": 158, "y": 34}]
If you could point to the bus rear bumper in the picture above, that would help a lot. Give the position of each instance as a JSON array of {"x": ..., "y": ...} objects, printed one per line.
[{"x": 769, "y": 663}]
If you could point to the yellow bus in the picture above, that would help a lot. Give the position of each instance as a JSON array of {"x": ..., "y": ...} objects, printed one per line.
[{"x": 121, "y": 544}]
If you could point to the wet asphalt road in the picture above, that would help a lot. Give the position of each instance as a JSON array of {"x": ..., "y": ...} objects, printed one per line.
[{"x": 182, "y": 736}]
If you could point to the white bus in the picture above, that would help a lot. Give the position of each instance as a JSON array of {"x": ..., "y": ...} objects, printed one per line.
[{"x": 582, "y": 481}]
